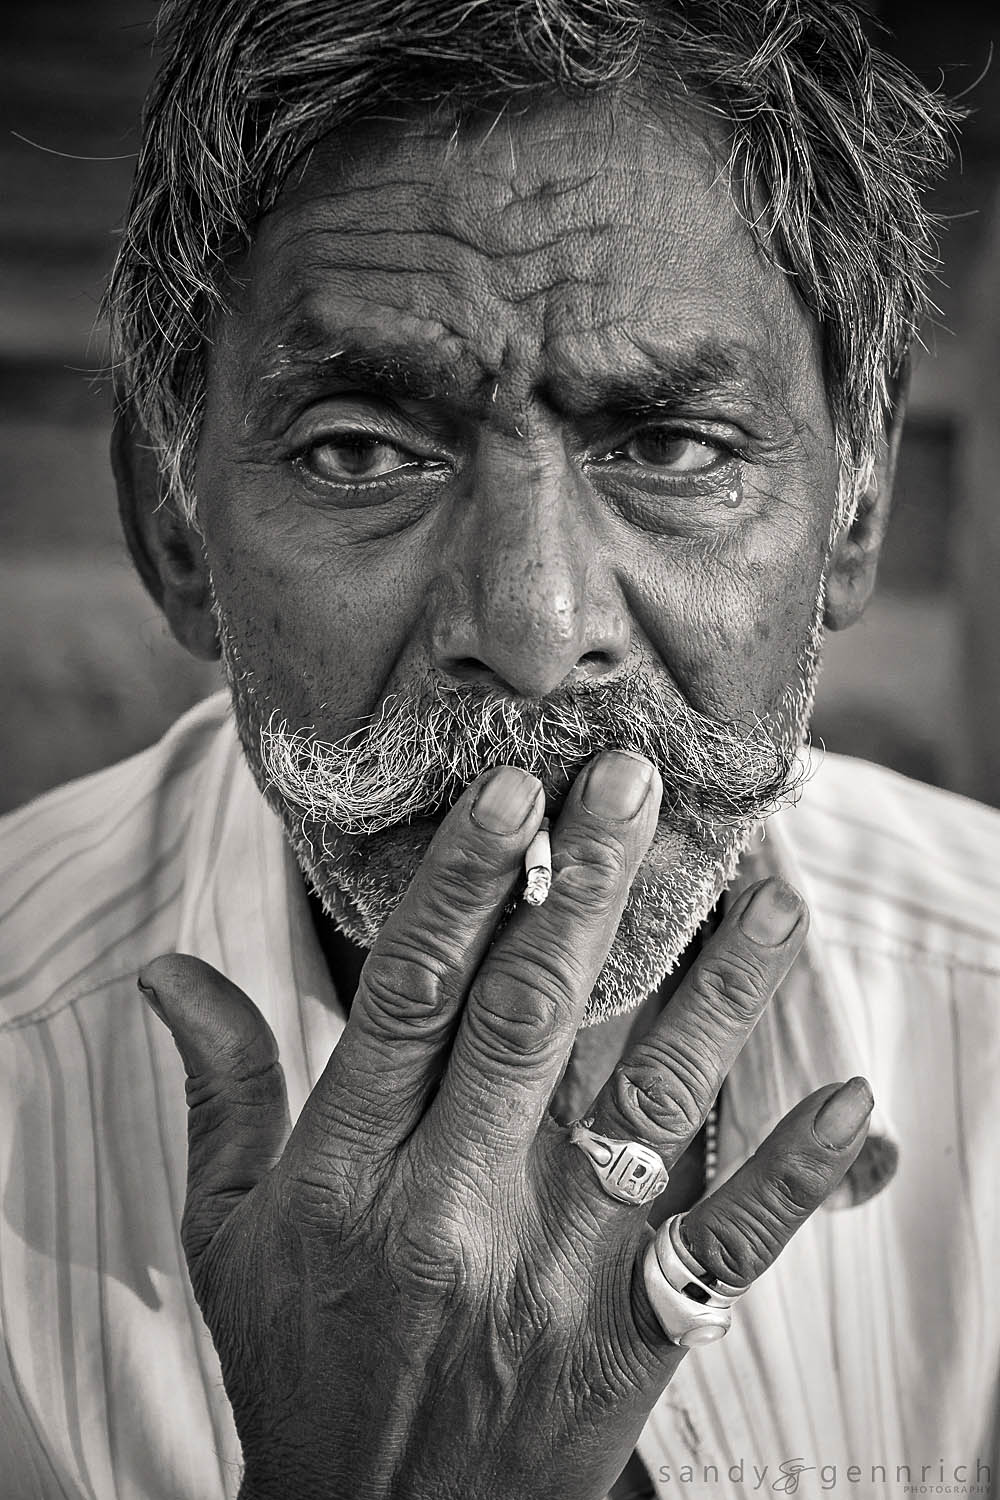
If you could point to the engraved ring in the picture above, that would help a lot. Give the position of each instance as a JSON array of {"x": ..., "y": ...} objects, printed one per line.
[{"x": 628, "y": 1171}]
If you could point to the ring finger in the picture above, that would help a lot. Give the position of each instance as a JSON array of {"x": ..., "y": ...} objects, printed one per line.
[{"x": 662, "y": 1090}]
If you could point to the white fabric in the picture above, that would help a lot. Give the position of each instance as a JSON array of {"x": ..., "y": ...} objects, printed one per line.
[{"x": 875, "y": 1342}]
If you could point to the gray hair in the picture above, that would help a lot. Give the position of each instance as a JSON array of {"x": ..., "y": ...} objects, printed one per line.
[{"x": 831, "y": 145}]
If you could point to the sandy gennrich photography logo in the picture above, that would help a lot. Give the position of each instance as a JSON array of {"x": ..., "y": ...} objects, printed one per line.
[{"x": 799, "y": 1476}]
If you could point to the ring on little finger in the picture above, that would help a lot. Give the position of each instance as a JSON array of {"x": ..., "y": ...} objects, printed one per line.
[
  {"x": 628, "y": 1171},
  {"x": 691, "y": 1306}
]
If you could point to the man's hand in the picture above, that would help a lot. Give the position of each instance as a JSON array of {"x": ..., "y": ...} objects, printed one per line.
[{"x": 422, "y": 1291}]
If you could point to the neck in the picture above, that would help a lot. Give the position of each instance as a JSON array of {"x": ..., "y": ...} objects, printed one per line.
[{"x": 344, "y": 959}]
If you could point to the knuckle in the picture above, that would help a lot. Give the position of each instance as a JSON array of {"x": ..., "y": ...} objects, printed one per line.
[
  {"x": 221, "y": 1107},
  {"x": 206, "y": 1095},
  {"x": 739, "y": 1245},
  {"x": 538, "y": 1305},
  {"x": 427, "y": 1251},
  {"x": 588, "y": 874},
  {"x": 429, "y": 1247},
  {"x": 260, "y": 1084},
  {"x": 461, "y": 882},
  {"x": 320, "y": 1196},
  {"x": 428, "y": 927},
  {"x": 513, "y": 1013},
  {"x": 743, "y": 1239},
  {"x": 791, "y": 1189},
  {"x": 673, "y": 1098},
  {"x": 403, "y": 988},
  {"x": 739, "y": 979},
  {"x": 605, "y": 848}
]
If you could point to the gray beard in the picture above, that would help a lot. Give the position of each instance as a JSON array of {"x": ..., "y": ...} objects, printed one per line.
[{"x": 360, "y": 814}]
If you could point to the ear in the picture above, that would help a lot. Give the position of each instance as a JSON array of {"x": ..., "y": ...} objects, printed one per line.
[
  {"x": 854, "y": 560},
  {"x": 166, "y": 547}
]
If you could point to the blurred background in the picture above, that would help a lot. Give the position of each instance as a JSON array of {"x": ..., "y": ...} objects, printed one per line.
[{"x": 88, "y": 671}]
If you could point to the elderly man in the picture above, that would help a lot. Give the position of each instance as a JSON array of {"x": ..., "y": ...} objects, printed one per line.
[{"x": 510, "y": 396}]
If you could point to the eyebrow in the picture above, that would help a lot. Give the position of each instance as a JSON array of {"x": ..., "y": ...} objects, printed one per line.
[
  {"x": 673, "y": 381},
  {"x": 302, "y": 367},
  {"x": 669, "y": 381}
]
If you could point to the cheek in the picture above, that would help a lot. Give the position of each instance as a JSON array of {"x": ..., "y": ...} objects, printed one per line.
[
  {"x": 320, "y": 626},
  {"x": 728, "y": 625}
]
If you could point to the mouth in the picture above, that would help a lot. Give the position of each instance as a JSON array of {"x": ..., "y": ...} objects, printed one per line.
[
  {"x": 433, "y": 818},
  {"x": 555, "y": 785},
  {"x": 554, "y": 804}
]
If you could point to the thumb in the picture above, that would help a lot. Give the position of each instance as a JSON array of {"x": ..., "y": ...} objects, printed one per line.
[{"x": 237, "y": 1109}]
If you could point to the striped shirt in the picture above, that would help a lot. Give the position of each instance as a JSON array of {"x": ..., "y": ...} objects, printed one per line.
[{"x": 868, "y": 1357}]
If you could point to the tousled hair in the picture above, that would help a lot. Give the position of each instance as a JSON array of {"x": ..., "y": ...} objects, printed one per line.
[{"x": 831, "y": 145}]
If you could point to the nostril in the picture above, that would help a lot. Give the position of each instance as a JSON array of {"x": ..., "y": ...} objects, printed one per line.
[
  {"x": 469, "y": 668},
  {"x": 594, "y": 663}
]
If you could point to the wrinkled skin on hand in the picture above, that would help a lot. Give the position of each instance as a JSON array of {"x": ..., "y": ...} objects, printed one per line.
[{"x": 423, "y": 1290}]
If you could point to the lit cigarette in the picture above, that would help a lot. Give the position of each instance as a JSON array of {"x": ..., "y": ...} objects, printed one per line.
[{"x": 538, "y": 866}]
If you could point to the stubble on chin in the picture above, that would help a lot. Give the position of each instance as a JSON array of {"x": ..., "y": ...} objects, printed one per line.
[{"x": 359, "y": 881}]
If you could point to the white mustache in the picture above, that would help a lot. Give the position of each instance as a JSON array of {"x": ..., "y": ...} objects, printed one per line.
[{"x": 415, "y": 756}]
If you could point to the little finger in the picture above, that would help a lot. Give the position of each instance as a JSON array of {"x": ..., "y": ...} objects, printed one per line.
[
  {"x": 736, "y": 1234},
  {"x": 742, "y": 1228}
]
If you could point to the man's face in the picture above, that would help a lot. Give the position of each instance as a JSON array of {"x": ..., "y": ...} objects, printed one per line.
[{"x": 515, "y": 417}]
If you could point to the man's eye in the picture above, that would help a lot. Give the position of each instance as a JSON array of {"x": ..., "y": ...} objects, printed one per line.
[
  {"x": 356, "y": 456},
  {"x": 674, "y": 452}
]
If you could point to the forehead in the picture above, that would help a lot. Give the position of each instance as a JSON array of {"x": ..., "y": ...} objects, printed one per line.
[{"x": 529, "y": 248}]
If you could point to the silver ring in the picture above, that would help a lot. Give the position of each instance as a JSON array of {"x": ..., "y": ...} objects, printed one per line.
[
  {"x": 690, "y": 1310},
  {"x": 628, "y": 1171}
]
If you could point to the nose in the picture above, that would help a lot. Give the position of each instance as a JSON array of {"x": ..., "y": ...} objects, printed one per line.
[{"x": 528, "y": 600}]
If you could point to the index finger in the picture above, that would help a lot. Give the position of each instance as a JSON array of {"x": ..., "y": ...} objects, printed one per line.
[{"x": 377, "y": 1082}]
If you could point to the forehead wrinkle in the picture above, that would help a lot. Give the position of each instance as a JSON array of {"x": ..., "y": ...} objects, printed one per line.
[
  {"x": 467, "y": 248},
  {"x": 517, "y": 301},
  {"x": 482, "y": 211},
  {"x": 508, "y": 236},
  {"x": 313, "y": 322},
  {"x": 517, "y": 273}
]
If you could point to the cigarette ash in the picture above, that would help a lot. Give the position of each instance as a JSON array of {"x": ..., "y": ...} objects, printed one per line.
[{"x": 538, "y": 866}]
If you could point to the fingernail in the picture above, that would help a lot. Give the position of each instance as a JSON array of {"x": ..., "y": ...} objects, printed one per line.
[
  {"x": 771, "y": 916},
  {"x": 506, "y": 800},
  {"x": 844, "y": 1113},
  {"x": 617, "y": 784},
  {"x": 152, "y": 999}
]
